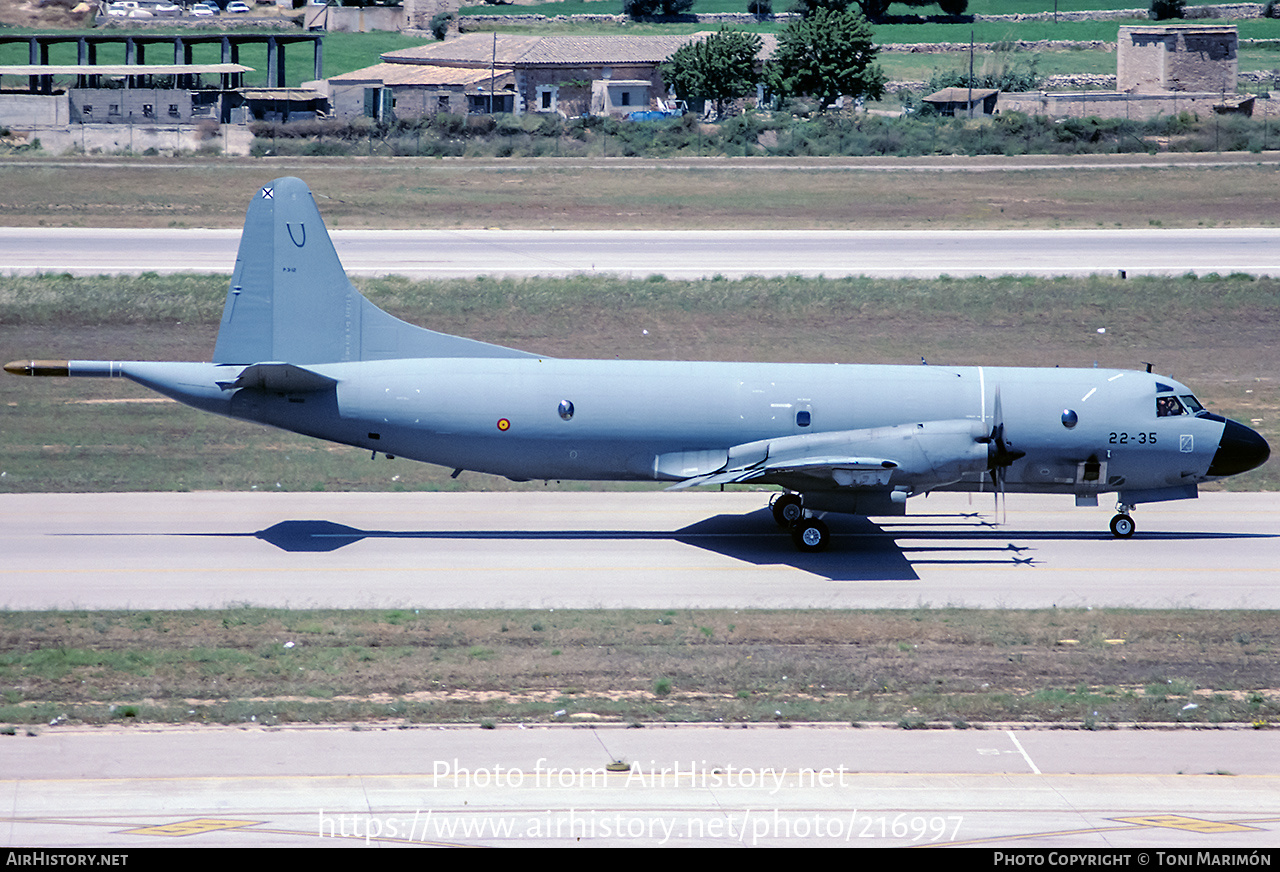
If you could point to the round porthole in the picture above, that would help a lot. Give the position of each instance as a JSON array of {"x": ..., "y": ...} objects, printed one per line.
[
  {"x": 566, "y": 409},
  {"x": 1069, "y": 418}
]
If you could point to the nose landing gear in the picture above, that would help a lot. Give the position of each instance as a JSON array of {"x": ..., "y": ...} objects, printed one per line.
[{"x": 1122, "y": 526}]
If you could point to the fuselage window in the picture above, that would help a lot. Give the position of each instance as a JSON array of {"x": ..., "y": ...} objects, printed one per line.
[
  {"x": 1167, "y": 407},
  {"x": 803, "y": 419}
]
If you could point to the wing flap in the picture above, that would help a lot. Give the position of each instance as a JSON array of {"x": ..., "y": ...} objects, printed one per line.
[{"x": 846, "y": 471}]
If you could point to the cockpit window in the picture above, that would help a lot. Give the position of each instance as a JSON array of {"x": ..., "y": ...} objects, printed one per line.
[
  {"x": 1168, "y": 406},
  {"x": 1192, "y": 404}
]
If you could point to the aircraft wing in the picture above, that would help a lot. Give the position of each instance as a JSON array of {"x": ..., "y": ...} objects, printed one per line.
[
  {"x": 926, "y": 452},
  {"x": 810, "y": 465}
]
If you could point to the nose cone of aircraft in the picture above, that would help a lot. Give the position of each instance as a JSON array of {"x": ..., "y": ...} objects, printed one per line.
[{"x": 1239, "y": 450}]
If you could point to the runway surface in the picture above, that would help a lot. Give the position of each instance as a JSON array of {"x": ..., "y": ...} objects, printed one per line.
[
  {"x": 675, "y": 254},
  {"x": 617, "y": 550},
  {"x": 121, "y": 788}
]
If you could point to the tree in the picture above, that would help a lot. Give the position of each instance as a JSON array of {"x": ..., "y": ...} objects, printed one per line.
[
  {"x": 648, "y": 8},
  {"x": 1162, "y": 10},
  {"x": 720, "y": 68},
  {"x": 808, "y": 7},
  {"x": 826, "y": 55},
  {"x": 875, "y": 10}
]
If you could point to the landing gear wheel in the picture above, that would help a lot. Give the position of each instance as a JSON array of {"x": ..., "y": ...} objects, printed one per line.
[
  {"x": 787, "y": 509},
  {"x": 1122, "y": 526},
  {"x": 810, "y": 535}
]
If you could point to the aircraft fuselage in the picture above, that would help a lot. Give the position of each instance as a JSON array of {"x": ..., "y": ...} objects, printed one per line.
[{"x": 544, "y": 418}]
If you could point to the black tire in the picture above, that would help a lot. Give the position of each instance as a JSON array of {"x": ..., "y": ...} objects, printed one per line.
[
  {"x": 787, "y": 509},
  {"x": 1122, "y": 526},
  {"x": 810, "y": 535}
]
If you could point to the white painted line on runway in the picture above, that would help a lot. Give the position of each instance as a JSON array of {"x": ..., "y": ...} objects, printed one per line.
[{"x": 1025, "y": 756}]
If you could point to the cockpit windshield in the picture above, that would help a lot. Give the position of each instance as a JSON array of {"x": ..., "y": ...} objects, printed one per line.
[{"x": 1168, "y": 406}]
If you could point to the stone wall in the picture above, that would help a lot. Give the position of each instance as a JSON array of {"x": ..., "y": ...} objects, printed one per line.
[
  {"x": 229, "y": 139},
  {"x": 1111, "y": 104},
  {"x": 356, "y": 19},
  {"x": 1219, "y": 10},
  {"x": 1061, "y": 82},
  {"x": 21, "y": 109}
]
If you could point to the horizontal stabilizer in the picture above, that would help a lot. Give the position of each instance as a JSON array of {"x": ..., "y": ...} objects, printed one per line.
[{"x": 279, "y": 377}]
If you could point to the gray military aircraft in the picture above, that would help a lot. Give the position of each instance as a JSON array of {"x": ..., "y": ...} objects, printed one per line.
[{"x": 300, "y": 349}]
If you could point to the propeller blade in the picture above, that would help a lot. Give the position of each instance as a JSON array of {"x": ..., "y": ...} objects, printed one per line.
[{"x": 1000, "y": 455}]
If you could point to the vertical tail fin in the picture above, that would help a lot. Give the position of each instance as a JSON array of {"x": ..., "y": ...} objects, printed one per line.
[{"x": 290, "y": 300}]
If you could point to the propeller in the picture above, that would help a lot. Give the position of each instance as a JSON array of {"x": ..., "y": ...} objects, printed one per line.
[{"x": 1000, "y": 454}]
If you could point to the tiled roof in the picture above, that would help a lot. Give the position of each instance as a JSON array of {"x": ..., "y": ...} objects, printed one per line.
[
  {"x": 296, "y": 95},
  {"x": 415, "y": 74}
]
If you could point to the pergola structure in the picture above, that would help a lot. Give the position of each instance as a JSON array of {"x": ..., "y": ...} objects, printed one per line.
[{"x": 134, "y": 47}]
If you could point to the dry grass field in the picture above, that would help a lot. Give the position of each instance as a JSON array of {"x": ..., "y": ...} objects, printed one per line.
[
  {"x": 925, "y": 667},
  {"x": 617, "y": 193}
]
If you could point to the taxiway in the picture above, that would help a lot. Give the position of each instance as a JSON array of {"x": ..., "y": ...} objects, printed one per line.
[{"x": 676, "y": 254}]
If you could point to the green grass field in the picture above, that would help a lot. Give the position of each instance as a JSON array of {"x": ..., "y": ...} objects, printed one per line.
[{"x": 707, "y": 7}]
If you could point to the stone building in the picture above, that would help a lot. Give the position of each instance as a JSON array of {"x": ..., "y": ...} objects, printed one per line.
[
  {"x": 569, "y": 75},
  {"x": 388, "y": 91},
  {"x": 1177, "y": 57},
  {"x": 1161, "y": 69}
]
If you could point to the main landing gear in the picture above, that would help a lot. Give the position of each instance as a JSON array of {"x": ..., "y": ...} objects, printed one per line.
[
  {"x": 809, "y": 534},
  {"x": 1122, "y": 525}
]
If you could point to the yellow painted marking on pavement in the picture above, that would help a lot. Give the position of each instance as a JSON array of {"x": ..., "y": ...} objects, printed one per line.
[
  {"x": 1172, "y": 821},
  {"x": 191, "y": 827},
  {"x": 1190, "y": 824}
]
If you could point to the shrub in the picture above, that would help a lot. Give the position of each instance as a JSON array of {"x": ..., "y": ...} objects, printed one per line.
[
  {"x": 440, "y": 23},
  {"x": 649, "y": 8},
  {"x": 1162, "y": 10}
]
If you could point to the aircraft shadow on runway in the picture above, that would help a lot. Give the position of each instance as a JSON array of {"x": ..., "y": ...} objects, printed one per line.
[
  {"x": 861, "y": 550},
  {"x": 753, "y": 538}
]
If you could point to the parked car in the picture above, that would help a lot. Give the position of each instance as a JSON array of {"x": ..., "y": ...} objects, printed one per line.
[
  {"x": 204, "y": 10},
  {"x": 236, "y": 6}
]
